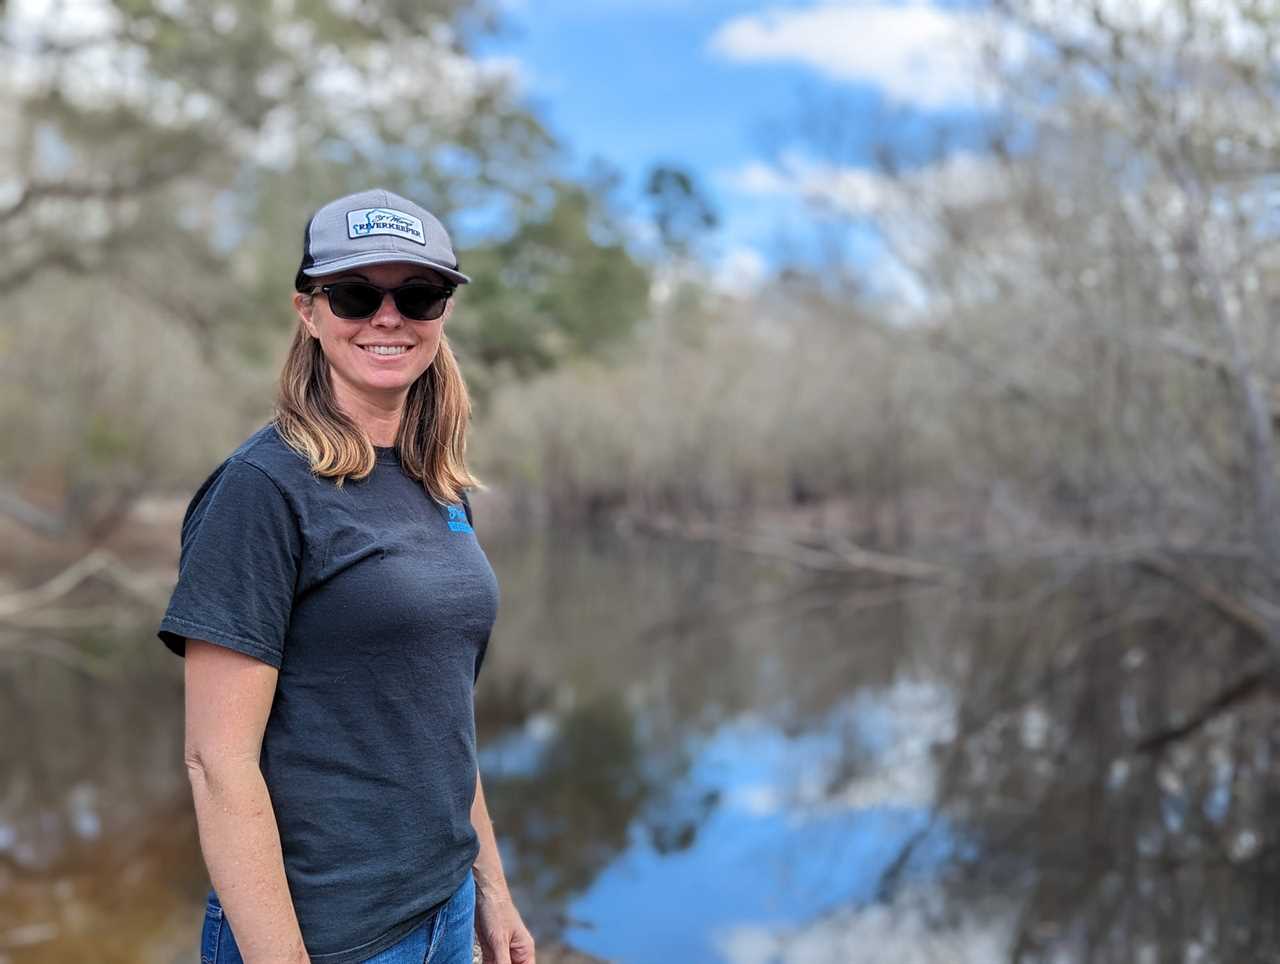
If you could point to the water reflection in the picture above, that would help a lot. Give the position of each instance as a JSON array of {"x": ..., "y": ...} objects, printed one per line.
[
  {"x": 1107, "y": 785},
  {"x": 699, "y": 755},
  {"x": 96, "y": 828},
  {"x": 737, "y": 744},
  {"x": 569, "y": 817},
  {"x": 769, "y": 847}
]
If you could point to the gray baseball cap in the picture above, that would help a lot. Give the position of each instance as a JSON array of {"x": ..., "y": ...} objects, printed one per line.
[{"x": 374, "y": 227}]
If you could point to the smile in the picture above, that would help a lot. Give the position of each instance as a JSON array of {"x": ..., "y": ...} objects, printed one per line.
[{"x": 385, "y": 349}]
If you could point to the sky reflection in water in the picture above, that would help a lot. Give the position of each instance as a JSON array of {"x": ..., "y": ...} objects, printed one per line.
[{"x": 788, "y": 840}]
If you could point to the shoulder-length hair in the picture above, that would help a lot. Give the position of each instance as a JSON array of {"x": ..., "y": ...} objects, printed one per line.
[{"x": 432, "y": 441}]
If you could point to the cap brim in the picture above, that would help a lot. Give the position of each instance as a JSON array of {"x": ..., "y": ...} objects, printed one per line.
[{"x": 382, "y": 257}]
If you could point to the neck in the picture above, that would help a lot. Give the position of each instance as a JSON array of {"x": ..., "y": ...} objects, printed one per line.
[{"x": 378, "y": 416}]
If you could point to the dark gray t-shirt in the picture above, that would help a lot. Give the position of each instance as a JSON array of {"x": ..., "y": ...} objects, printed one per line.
[{"x": 375, "y": 603}]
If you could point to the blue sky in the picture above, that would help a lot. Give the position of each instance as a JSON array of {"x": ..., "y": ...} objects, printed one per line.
[{"x": 723, "y": 87}]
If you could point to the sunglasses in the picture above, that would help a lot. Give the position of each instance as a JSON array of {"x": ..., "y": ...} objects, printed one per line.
[{"x": 355, "y": 300}]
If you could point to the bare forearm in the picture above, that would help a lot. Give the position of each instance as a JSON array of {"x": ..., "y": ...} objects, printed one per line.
[
  {"x": 490, "y": 879},
  {"x": 241, "y": 846},
  {"x": 502, "y": 933}
]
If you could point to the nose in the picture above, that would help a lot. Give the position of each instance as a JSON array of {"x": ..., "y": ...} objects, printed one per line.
[{"x": 387, "y": 315}]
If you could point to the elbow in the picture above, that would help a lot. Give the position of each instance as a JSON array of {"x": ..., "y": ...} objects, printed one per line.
[
  {"x": 198, "y": 771},
  {"x": 212, "y": 773},
  {"x": 194, "y": 761}
]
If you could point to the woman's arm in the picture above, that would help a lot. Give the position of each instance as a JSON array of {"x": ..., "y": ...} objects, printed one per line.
[
  {"x": 228, "y": 699},
  {"x": 503, "y": 937}
]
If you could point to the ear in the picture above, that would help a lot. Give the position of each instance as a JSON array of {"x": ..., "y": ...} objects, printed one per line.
[{"x": 304, "y": 304}]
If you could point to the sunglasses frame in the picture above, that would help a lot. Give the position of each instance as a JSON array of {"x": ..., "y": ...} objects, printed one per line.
[{"x": 447, "y": 292}]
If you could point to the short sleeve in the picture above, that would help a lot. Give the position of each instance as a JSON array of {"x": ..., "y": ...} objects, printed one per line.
[{"x": 241, "y": 551}]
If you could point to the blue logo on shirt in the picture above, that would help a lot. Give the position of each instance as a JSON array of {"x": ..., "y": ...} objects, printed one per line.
[{"x": 458, "y": 519}]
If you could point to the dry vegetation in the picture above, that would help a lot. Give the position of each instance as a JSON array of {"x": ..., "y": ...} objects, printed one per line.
[{"x": 781, "y": 401}]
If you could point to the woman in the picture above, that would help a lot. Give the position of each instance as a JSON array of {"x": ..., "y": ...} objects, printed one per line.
[{"x": 334, "y": 606}]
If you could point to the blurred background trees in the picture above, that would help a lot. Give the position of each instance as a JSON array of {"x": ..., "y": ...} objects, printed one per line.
[
  {"x": 1082, "y": 335},
  {"x": 562, "y": 285},
  {"x": 160, "y": 156}
]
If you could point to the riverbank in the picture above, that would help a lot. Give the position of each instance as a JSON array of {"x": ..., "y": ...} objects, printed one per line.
[{"x": 918, "y": 521}]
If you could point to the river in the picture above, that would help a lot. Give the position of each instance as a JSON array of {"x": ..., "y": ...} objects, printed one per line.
[{"x": 693, "y": 753}]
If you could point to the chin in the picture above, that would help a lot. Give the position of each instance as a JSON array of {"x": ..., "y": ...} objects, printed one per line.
[{"x": 389, "y": 383}]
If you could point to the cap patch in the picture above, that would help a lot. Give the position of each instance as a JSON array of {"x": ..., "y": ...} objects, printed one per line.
[{"x": 369, "y": 221}]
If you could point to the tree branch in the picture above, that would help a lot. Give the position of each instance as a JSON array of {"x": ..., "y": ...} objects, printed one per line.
[
  {"x": 1242, "y": 688},
  {"x": 99, "y": 562}
]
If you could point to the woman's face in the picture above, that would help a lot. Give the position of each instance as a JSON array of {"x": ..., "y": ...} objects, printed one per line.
[{"x": 378, "y": 378}]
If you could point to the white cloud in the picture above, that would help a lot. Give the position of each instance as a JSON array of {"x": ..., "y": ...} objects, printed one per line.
[
  {"x": 900, "y": 207},
  {"x": 851, "y": 190},
  {"x": 960, "y": 177},
  {"x": 915, "y": 929},
  {"x": 756, "y": 177},
  {"x": 915, "y": 52},
  {"x": 740, "y": 269}
]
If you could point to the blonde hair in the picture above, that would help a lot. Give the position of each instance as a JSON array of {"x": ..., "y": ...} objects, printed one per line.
[{"x": 432, "y": 441}]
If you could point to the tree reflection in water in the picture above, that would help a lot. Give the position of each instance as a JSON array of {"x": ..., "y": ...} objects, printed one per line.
[
  {"x": 569, "y": 811},
  {"x": 1094, "y": 744},
  {"x": 1113, "y": 772}
]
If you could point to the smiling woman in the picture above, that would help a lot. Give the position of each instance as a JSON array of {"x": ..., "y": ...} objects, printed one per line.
[
  {"x": 377, "y": 347},
  {"x": 365, "y": 370},
  {"x": 334, "y": 636}
]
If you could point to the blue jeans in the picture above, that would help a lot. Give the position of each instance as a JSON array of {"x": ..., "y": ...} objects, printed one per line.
[{"x": 445, "y": 939}]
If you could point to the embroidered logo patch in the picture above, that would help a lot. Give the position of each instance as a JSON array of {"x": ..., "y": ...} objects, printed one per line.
[
  {"x": 370, "y": 221},
  {"x": 458, "y": 519}
]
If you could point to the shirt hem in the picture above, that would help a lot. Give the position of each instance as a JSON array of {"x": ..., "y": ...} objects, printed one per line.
[
  {"x": 362, "y": 952},
  {"x": 355, "y": 955}
]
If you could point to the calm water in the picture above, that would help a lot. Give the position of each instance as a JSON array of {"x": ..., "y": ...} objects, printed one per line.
[{"x": 692, "y": 754}]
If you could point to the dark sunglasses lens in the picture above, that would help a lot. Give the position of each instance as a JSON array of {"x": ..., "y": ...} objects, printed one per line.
[
  {"x": 352, "y": 299},
  {"x": 421, "y": 302}
]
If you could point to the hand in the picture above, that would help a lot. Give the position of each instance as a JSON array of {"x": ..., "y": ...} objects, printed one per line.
[{"x": 503, "y": 937}]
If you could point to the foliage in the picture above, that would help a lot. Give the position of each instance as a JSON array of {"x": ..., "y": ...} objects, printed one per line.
[
  {"x": 681, "y": 213},
  {"x": 562, "y": 285},
  {"x": 786, "y": 398},
  {"x": 144, "y": 121},
  {"x": 163, "y": 159}
]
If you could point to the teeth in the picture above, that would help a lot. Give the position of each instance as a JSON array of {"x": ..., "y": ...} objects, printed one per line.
[{"x": 385, "y": 349}]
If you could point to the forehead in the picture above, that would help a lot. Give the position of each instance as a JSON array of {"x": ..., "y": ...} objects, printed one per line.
[{"x": 386, "y": 275}]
